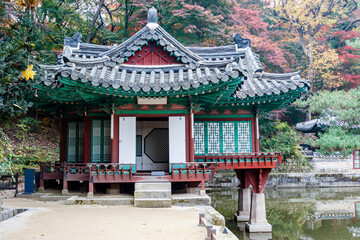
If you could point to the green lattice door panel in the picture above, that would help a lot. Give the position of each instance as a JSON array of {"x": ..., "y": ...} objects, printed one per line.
[
  {"x": 213, "y": 137},
  {"x": 199, "y": 137},
  {"x": 75, "y": 144},
  {"x": 228, "y": 136},
  {"x": 222, "y": 137},
  {"x": 357, "y": 211},
  {"x": 244, "y": 137},
  {"x": 356, "y": 158},
  {"x": 100, "y": 141}
]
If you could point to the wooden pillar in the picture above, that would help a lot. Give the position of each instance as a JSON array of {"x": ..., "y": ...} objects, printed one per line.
[
  {"x": 87, "y": 140},
  {"x": 63, "y": 140},
  {"x": 114, "y": 187},
  {"x": 115, "y": 140}
]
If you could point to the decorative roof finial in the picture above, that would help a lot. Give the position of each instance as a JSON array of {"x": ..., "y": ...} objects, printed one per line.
[{"x": 152, "y": 15}]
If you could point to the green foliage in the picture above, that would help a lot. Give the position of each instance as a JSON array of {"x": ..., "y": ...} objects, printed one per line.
[
  {"x": 5, "y": 154},
  {"x": 344, "y": 135},
  {"x": 21, "y": 146},
  {"x": 279, "y": 136},
  {"x": 288, "y": 218},
  {"x": 13, "y": 61},
  {"x": 336, "y": 140}
]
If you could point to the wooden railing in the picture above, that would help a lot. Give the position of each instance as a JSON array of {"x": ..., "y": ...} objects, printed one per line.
[
  {"x": 210, "y": 231},
  {"x": 111, "y": 171},
  {"x": 241, "y": 160},
  {"x": 200, "y": 170}
]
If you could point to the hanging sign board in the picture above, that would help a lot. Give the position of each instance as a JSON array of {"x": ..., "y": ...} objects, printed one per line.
[{"x": 152, "y": 100}]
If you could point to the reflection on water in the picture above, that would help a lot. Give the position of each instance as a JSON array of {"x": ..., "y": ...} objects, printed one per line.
[{"x": 323, "y": 213}]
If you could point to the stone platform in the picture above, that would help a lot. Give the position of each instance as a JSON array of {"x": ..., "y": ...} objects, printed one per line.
[{"x": 185, "y": 199}]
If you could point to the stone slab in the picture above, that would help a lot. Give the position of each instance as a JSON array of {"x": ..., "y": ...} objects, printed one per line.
[
  {"x": 152, "y": 194},
  {"x": 258, "y": 236},
  {"x": 33, "y": 195},
  {"x": 241, "y": 216},
  {"x": 190, "y": 200},
  {"x": 258, "y": 228},
  {"x": 152, "y": 203},
  {"x": 109, "y": 201},
  {"x": 164, "y": 185},
  {"x": 49, "y": 198}
]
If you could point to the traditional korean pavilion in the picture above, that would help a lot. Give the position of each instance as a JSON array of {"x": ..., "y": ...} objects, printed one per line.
[{"x": 152, "y": 109}]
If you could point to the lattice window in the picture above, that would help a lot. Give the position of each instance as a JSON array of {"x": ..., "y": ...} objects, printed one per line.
[
  {"x": 228, "y": 130},
  {"x": 356, "y": 158},
  {"x": 357, "y": 211},
  {"x": 213, "y": 137},
  {"x": 101, "y": 143},
  {"x": 244, "y": 137},
  {"x": 199, "y": 138},
  {"x": 222, "y": 137},
  {"x": 75, "y": 144}
]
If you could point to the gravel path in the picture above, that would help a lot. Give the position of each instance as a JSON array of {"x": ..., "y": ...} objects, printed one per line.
[{"x": 54, "y": 220}]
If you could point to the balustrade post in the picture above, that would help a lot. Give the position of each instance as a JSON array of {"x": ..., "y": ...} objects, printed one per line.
[
  {"x": 91, "y": 188},
  {"x": 202, "y": 191},
  {"x": 65, "y": 190},
  {"x": 41, "y": 188}
]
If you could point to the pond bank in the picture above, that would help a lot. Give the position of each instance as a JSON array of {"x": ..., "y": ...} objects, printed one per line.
[{"x": 292, "y": 180}]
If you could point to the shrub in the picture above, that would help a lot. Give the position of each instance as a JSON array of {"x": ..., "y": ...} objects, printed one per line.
[{"x": 279, "y": 136}]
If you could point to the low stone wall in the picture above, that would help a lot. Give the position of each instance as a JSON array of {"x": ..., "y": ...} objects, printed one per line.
[
  {"x": 293, "y": 180},
  {"x": 228, "y": 179}
]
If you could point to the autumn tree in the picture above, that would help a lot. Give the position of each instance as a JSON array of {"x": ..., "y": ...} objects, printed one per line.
[
  {"x": 14, "y": 57},
  {"x": 308, "y": 17}
]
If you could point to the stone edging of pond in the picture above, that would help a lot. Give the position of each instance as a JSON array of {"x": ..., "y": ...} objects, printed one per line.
[
  {"x": 293, "y": 180},
  {"x": 7, "y": 213}
]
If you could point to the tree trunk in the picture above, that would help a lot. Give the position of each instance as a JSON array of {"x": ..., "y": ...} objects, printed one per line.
[
  {"x": 310, "y": 72},
  {"x": 90, "y": 32}
]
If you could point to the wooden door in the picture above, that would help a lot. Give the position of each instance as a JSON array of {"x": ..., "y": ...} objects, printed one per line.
[
  {"x": 177, "y": 139},
  {"x": 127, "y": 140}
]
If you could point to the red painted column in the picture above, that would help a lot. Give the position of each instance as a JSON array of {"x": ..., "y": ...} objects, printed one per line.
[
  {"x": 115, "y": 141},
  {"x": 115, "y": 187},
  {"x": 63, "y": 140},
  {"x": 87, "y": 140}
]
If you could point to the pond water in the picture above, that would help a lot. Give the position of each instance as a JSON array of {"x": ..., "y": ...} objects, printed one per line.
[{"x": 318, "y": 213}]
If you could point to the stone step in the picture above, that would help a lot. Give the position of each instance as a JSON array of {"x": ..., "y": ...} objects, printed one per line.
[
  {"x": 152, "y": 202},
  {"x": 152, "y": 186},
  {"x": 152, "y": 194},
  {"x": 100, "y": 201}
]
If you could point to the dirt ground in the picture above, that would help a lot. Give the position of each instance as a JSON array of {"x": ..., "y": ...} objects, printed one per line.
[{"x": 57, "y": 221}]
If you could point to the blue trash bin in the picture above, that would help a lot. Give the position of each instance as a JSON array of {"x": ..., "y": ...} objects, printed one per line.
[{"x": 29, "y": 181}]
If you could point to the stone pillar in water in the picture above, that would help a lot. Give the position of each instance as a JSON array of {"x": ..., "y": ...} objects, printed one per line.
[
  {"x": 257, "y": 178},
  {"x": 244, "y": 201},
  {"x": 258, "y": 222}
]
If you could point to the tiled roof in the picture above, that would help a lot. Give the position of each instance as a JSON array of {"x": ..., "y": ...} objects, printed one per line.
[{"x": 108, "y": 67}]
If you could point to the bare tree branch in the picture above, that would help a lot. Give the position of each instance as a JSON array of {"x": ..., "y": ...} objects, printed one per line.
[{"x": 90, "y": 34}]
